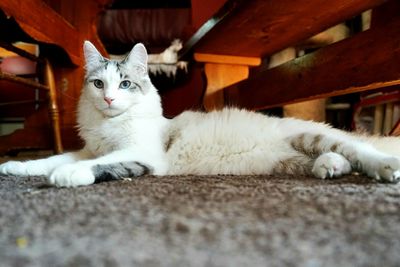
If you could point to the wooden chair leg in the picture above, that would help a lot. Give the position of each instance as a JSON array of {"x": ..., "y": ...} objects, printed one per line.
[{"x": 53, "y": 107}]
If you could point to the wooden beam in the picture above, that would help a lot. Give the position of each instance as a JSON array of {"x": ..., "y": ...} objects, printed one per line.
[
  {"x": 385, "y": 13},
  {"x": 221, "y": 59},
  {"x": 220, "y": 15},
  {"x": 203, "y": 10},
  {"x": 369, "y": 60},
  {"x": 259, "y": 28},
  {"x": 61, "y": 32}
]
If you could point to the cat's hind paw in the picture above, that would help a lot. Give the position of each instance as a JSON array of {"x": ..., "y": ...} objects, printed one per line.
[
  {"x": 330, "y": 165},
  {"x": 72, "y": 175},
  {"x": 388, "y": 170}
]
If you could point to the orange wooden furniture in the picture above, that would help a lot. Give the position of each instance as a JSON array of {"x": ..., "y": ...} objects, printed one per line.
[
  {"x": 60, "y": 27},
  {"x": 42, "y": 80},
  {"x": 257, "y": 29}
]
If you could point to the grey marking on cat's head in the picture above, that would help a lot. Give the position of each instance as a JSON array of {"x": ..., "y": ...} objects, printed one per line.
[
  {"x": 117, "y": 171},
  {"x": 124, "y": 82},
  {"x": 94, "y": 60}
]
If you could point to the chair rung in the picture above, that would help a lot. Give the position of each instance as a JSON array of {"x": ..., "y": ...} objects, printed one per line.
[
  {"x": 28, "y": 82},
  {"x": 21, "y": 102}
]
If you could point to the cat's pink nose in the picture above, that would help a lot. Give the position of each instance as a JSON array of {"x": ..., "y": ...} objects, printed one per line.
[{"x": 108, "y": 100}]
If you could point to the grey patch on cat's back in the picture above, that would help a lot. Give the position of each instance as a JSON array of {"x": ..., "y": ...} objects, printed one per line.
[
  {"x": 307, "y": 144},
  {"x": 117, "y": 171},
  {"x": 315, "y": 145},
  {"x": 298, "y": 143},
  {"x": 172, "y": 137},
  {"x": 317, "y": 139},
  {"x": 299, "y": 165},
  {"x": 335, "y": 147}
]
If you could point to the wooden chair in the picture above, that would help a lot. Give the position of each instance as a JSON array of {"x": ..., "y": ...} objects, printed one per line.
[{"x": 44, "y": 80}]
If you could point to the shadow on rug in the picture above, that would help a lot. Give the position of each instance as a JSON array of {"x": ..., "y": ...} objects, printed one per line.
[{"x": 201, "y": 221}]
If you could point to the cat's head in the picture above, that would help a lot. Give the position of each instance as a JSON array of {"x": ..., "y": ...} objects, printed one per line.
[{"x": 114, "y": 86}]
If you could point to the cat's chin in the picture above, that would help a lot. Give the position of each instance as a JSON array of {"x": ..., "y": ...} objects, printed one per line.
[{"x": 109, "y": 112}]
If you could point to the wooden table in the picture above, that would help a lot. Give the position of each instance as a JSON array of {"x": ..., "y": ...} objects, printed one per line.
[{"x": 250, "y": 31}]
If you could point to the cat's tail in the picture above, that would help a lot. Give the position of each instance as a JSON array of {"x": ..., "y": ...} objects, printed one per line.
[{"x": 121, "y": 170}]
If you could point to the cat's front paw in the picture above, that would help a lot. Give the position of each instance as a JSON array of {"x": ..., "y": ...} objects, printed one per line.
[
  {"x": 72, "y": 175},
  {"x": 388, "y": 170},
  {"x": 330, "y": 165},
  {"x": 16, "y": 168}
]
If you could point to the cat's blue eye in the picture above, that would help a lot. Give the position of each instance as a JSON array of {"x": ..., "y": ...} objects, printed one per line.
[
  {"x": 98, "y": 83},
  {"x": 125, "y": 84}
]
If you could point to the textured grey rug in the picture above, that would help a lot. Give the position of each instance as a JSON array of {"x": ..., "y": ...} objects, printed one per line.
[{"x": 201, "y": 221}]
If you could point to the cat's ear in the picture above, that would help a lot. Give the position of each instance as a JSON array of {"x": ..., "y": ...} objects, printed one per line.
[
  {"x": 93, "y": 58},
  {"x": 138, "y": 56}
]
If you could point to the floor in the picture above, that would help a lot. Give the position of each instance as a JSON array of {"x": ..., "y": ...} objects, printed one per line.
[{"x": 201, "y": 221}]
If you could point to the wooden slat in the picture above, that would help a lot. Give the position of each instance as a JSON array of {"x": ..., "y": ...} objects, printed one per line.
[
  {"x": 24, "y": 81},
  {"x": 366, "y": 61},
  {"x": 259, "y": 28},
  {"x": 45, "y": 25}
]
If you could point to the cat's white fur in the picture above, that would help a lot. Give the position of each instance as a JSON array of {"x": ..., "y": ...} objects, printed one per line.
[
  {"x": 235, "y": 141},
  {"x": 120, "y": 125}
]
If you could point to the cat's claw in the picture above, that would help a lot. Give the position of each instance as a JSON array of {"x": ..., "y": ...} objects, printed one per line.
[
  {"x": 330, "y": 165},
  {"x": 71, "y": 175},
  {"x": 324, "y": 172}
]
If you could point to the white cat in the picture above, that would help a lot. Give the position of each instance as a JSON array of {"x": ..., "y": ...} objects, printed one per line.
[{"x": 120, "y": 119}]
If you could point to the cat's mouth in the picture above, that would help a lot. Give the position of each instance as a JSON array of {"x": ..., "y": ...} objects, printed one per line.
[{"x": 111, "y": 112}]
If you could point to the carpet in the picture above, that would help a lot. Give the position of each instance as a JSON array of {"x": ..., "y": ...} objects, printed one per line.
[{"x": 201, "y": 221}]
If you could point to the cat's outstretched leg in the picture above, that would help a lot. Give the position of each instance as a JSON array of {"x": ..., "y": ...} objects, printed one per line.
[
  {"x": 41, "y": 167},
  {"x": 116, "y": 165},
  {"x": 329, "y": 165},
  {"x": 72, "y": 175},
  {"x": 362, "y": 156}
]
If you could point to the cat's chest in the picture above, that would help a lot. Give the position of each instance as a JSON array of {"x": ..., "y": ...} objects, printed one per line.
[{"x": 108, "y": 136}]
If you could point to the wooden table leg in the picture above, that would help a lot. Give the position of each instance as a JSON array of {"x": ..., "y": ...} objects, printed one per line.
[
  {"x": 220, "y": 76},
  {"x": 222, "y": 71}
]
